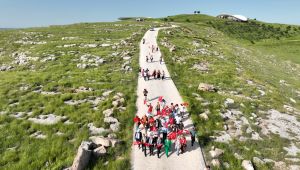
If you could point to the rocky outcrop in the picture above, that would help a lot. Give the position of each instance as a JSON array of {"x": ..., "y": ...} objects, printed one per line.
[{"x": 83, "y": 156}]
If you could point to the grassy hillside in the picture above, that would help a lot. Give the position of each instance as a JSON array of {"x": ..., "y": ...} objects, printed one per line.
[
  {"x": 46, "y": 75},
  {"x": 255, "y": 64}
]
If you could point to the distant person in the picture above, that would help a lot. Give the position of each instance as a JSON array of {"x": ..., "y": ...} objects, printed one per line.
[
  {"x": 160, "y": 60},
  {"x": 163, "y": 75},
  {"x": 151, "y": 58},
  {"x": 144, "y": 40},
  {"x": 157, "y": 107},
  {"x": 158, "y": 74},
  {"x": 158, "y": 146},
  {"x": 154, "y": 74},
  {"x": 177, "y": 145},
  {"x": 145, "y": 92},
  {"x": 193, "y": 135},
  {"x": 147, "y": 59},
  {"x": 167, "y": 146}
]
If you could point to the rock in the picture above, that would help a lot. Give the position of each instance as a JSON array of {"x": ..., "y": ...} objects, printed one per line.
[
  {"x": 223, "y": 138},
  {"x": 115, "y": 103},
  {"x": 115, "y": 127},
  {"x": 280, "y": 166},
  {"x": 204, "y": 116},
  {"x": 110, "y": 120},
  {"x": 122, "y": 100},
  {"x": 255, "y": 136},
  {"x": 96, "y": 131},
  {"x": 249, "y": 130},
  {"x": 5, "y": 68},
  {"x": 172, "y": 48},
  {"x": 238, "y": 156},
  {"x": 226, "y": 165},
  {"x": 100, "y": 151},
  {"x": 216, "y": 153},
  {"x": 258, "y": 161},
  {"x": 108, "y": 112},
  {"x": 112, "y": 136},
  {"x": 206, "y": 87},
  {"x": 107, "y": 93},
  {"x": 225, "y": 127},
  {"x": 126, "y": 58},
  {"x": 114, "y": 142},
  {"x": 292, "y": 150},
  {"x": 83, "y": 156},
  {"x": 82, "y": 66},
  {"x": 201, "y": 67},
  {"x": 247, "y": 165},
  {"x": 229, "y": 103},
  {"x": 215, "y": 163},
  {"x": 100, "y": 141},
  {"x": 293, "y": 100},
  {"x": 47, "y": 119}
]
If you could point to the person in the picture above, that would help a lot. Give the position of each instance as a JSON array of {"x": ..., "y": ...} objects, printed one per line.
[
  {"x": 144, "y": 40},
  {"x": 182, "y": 110},
  {"x": 144, "y": 145},
  {"x": 145, "y": 94},
  {"x": 144, "y": 73},
  {"x": 158, "y": 74},
  {"x": 151, "y": 144},
  {"x": 154, "y": 74},
  {"x": 160, "y": 60},
  {"x": 150, "y": 109},
  {"x": 158, "y": 146},
  {"x": 151, "y": 58},
  {"x": 148, "y": 75},
  {"x": 156, "y": 48},
  {"x": 157, "y": 107},
  {"x": 177, "y": 145},
  {"x": 193, "y": 135},
  {"x": 147, "y": 59},
  {"x": 167, "y": 146},
  {"x": 183, "y": 143},
  {"x": 138, "y": 137},
  {"x": 163, "y": 75},
  {"x": 164, "y": 130},
  {"x": 163, "y": 103}
]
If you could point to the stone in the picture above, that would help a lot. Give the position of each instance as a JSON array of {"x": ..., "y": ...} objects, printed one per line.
[
  {"x": 107, "y": 93},
  {"x": 126, "y": 58},
  {"x": 247, "y": 165},
  {"x": 216, "y": 152},
  {"x": 100, "y": 141},
  {"x": 115, "y": 103},
  {"x": 6, "y": 68},
  {"x": 215, "y": 163},
  {"x": 257, "y": 161},
  {"x": 110, "y": 120},
  {"x": 226, "y": 165},
  {"x": 115, "y": 127},
  {"x": 292, "y": 150},
  {"x": 108, "y": 112},
  {"x": 47, "y": 119},
  {"x": 122, "y": 100},
  {"x": 201, "y": 67},
  {"x": 238, "y": 156},
  {"x": 280, "y": 166},
  {"x": 206, "y": 87},
  {"x": 204, "y": 116},
  {"x": 114, "y": 142},
  {"x": 229, "y": 103},
  {"x": 100, "y": 151},
  {"x": 83, "y": 156},
  {"x": 112, "y": 136},
  {"x": 96, "y": 131}
]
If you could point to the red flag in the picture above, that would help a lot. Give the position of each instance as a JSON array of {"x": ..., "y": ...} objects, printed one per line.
[{"x": 160, "y": 98}]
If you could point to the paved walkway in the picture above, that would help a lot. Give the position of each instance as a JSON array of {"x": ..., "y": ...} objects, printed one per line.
[{"x": 192, "y": 159}]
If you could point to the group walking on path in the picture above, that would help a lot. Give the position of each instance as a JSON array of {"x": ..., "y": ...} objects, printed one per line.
[{"x": 164, "y": 136}]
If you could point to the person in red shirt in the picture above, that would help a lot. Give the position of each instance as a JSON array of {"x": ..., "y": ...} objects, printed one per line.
[
  {"x": 183, "y": 143},
  {"x": 150, "y": 109}
]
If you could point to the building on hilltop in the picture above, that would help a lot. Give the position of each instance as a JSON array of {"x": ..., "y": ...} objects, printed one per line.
[{"x": 238, "y": 18}]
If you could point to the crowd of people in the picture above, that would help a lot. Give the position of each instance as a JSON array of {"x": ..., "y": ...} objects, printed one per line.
[
  {"x": 161, "y": 125},
  {"x": 156, "y": 74}
]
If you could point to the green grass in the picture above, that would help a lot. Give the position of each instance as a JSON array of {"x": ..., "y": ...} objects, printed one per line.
[
  {"x": 267, "y": 61},
  {"x": 62, "y": 74}
]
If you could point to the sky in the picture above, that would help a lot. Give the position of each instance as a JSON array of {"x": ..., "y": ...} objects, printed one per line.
[{"x": 36, "y": 13}]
